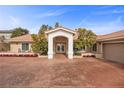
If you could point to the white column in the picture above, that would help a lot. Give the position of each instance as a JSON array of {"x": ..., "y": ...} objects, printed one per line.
[
  {"x": 50, "y": 47},
  {"x": 70, "y": 47}
]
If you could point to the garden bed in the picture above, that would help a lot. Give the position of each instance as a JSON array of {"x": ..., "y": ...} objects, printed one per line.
[
  {"x": 77, "y": 56},
  {"x": 42, "y": 56},
  {"x": 8, "y": 54},
  {"x": 88, "y": 55}
]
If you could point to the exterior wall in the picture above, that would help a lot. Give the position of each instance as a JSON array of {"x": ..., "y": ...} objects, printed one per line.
[
  {"x": 99, "y": 53},
  {"x": 52, "y": 35},
  {"x": 4, "y": 47},
  {"x": 6, "y": 35},
  {"x": 16, "y": 47},
  {"x": 30, "y": 49}
]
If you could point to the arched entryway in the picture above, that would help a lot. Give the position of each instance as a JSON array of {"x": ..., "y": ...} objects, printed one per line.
[
  {"x": 60, "y": 40},
  {"x": 60, "y": 46}
]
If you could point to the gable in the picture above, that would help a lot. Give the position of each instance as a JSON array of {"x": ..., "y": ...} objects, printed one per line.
[{"x": 62, "y": 29}]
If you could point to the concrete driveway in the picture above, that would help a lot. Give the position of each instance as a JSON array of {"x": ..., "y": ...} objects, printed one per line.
[{"x": 41, "y": 72}]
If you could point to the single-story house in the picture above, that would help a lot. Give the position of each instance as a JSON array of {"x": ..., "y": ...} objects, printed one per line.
[
  {"x": 111, "y": 46},
  {"x": 21, "y": 44},
  {"x": 60, "y": 40}
]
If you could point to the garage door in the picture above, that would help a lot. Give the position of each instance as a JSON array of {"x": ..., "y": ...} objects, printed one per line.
[{"x": 114, "y": 52}]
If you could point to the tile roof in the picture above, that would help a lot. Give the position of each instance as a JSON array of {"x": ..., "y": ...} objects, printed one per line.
[
  {"x": 23, "y": 38},
  {"x": 114, "y": 35},
  {"x": 5, "y": 31}
]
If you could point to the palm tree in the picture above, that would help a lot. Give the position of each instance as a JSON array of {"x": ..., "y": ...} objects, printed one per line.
[{"x": 86, "y": 39}]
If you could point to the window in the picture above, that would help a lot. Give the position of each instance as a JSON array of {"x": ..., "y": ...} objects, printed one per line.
[
  {"x": 94, "y": 47},
  {"x": 58, "y": 48},
  {"x": 25, "y": 46},
  {"x": 62, "y": 48}
]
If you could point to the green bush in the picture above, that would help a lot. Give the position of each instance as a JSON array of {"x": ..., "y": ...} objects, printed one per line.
[
  {"x": 77, "y": 53},
  {"x": 39, "y": 45}
]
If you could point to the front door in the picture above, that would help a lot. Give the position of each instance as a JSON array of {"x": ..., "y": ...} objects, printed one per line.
[{"x": 60, "y": 48}]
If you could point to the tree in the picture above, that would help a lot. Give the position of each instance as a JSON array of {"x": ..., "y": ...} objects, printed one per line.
[
  {"x": 86, "y": 39},
  {"x": 44, "y": 28},
  {"x": 50, "y": 28},
  {"x": 40, "y": 44},
  {"x": 19, "y": 32},
  {"x": 56, "y": 24}
]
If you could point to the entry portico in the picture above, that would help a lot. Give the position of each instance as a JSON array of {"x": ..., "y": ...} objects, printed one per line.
[{"x": 60, "y": 40}]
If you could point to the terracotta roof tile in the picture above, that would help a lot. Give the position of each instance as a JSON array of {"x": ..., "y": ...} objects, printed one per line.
[
  {"x": 114, "y": 35},
  {"x": 24, "y": 38}
]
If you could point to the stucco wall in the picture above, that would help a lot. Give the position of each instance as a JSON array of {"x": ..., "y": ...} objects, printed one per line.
[
  {"x": 4, "y": 47},
  {"x": 66, "y": 34},
  {"x": 6, "y": 35},
  {"x": 15, "y": 47}
]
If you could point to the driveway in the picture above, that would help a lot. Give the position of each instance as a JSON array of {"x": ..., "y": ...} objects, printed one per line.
[{"x": 41, "y": 72}]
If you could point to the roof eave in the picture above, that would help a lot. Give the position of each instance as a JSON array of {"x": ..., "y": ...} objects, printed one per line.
[{"x": 53, "y": 30}]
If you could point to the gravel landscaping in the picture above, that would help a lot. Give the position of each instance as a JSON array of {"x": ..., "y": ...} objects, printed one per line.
[{"x": 59, "y": 72}]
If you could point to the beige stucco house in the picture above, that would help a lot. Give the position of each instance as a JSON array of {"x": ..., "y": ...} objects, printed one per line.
[
  {"x": 21, "y": 44},
  {"x": 111, "y": 46},
  {"x": 60, "y": 40}
]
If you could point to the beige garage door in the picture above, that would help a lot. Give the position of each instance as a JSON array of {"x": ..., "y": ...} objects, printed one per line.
[{"x": 114, "y": 52}]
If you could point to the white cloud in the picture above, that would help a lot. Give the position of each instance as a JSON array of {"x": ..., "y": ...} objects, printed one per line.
[
  {"x": 118, "y": 11},
  {"x": 104, "y": 28},
  {"x": 114, "y": 11},
  {"x": 106, "y": 6},
  {"x": 100, "y": 30},
  {"x": 14, "y": 20},
  {"x": 9, "y": 22},
  {"x": 84, "y": 20},
  {"x": 34, "y": 30},
  {"x": 52, "y": 13}
]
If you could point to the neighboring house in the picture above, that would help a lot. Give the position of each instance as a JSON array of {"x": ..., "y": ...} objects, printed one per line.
[
  {"x": 4, "y": 35},
  {"x": 21, "y": 43},
  {"x": 60, "y": 40},
  {"x": 111, "y": 46}
]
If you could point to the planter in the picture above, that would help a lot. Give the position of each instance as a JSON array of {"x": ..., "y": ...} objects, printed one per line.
[
  {"x": 100, "y": 55},
  {"x": 76, "y": 56},
  {"x": 42, "y": 56},
  {"x": 88, "y": 55}
]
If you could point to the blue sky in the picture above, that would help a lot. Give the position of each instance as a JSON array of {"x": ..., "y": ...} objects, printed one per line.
[{"x": 99, "y": 19}]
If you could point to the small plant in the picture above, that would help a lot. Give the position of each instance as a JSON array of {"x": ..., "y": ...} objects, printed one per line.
[{"x": 77, "y": 53}]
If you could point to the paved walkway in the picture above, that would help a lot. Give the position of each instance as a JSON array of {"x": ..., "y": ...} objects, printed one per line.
[{"x": 60, "y": 56}]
